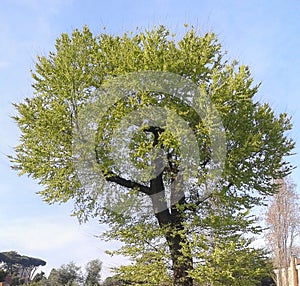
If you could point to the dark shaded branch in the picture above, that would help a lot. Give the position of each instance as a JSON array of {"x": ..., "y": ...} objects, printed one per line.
[
  {"x": 127, "y": 183},
  {"x": 204, "y": 163},
  {"x": 155, "y": 131},
  {"x": 203, "y": 199},
  {"x": 193, "y": 205}
]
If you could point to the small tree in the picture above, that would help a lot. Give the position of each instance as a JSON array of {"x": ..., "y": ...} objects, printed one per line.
[
  {"x": 39, "y": 277},
  {"x": 92, "y": 276},
  {"x": 67, "y": 275},
  {"x": 113, "y": 281},
  {"x": 283, "y": 221},
  {"x": 41, "y": 280}
]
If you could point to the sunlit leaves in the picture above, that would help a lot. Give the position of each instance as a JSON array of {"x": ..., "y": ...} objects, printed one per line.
[{"x": 82, "y": 66}]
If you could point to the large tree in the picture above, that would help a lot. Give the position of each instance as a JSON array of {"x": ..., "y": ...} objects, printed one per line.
[{"x": 157, "y": 136}]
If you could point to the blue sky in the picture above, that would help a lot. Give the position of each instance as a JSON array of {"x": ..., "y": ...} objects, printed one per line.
[{"x": 262, "y": 34}]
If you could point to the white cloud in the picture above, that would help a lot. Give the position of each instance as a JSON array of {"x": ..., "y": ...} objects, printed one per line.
[
  {"x": 34, "y": 234},
  {"x": 57, "y": 240}
]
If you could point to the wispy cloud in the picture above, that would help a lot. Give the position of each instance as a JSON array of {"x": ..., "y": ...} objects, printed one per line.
[
  {"x": 4, "y": 64},
  {"x": 57, "y": 240},
  {"x": 41, "y": 234}
]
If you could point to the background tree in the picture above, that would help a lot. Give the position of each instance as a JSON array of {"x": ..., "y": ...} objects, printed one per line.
[
  {"x": 3, "y": 274},
  {"x": 283, "y": 222},
  {"x": 64, "y": 84},
  {"x": 18, "y": 265},
  {"x": 93, "y": 269},
  {"x": 67, "y": 275},
  {"x": 71, "y": 275},
  {"x": 113, "y": 281},
  {"x": 40, "y": 278}
]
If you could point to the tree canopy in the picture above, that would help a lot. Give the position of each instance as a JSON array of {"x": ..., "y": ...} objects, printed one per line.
[
  {"x": 16, "y": 265},
  {"x": 12, "y": 257},
  {"x": 68, "y": 274},
  {"x": 71, "y": 275},
  {"x": 162, "y": 139},
  {"x": 93, "y": 269}
]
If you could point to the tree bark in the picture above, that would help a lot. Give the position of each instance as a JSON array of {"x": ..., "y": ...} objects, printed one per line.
[{"x": 171, "y": 220}]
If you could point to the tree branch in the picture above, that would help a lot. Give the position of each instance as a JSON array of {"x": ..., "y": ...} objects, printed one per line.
[
  {"x": 111, "y": 177},
  {"x": 155, "y": 131}
]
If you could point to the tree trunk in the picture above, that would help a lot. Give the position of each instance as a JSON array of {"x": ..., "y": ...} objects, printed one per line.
[{"x": 171, "y": 220}]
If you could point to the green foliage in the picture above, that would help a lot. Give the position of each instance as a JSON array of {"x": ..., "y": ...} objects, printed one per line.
[
  {"x": 39, "y": 278},
  {"x": 82, "y": 62},
  {"x": 14, "y": 264},
  {"x": 222, "y": 254},
  {"x": 113, "y": 281},
  {"x": 3, "y": 274},
  {"x": 69, "y": 275},
  {"x": 148, "y": 269},
  {"x": 93, "y": 269},
  {"x": 230, "y": 261},
  {"x": 12, "y": 257},
  {"x": 16, "y": 281},
  {"x": 39, "y": 283},
  {"x": 159, "y": 243}
]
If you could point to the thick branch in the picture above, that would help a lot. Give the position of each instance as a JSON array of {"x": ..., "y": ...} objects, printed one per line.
[
  {"x": 127, "y": 183},
  {"x": 154, "y": 129}
]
